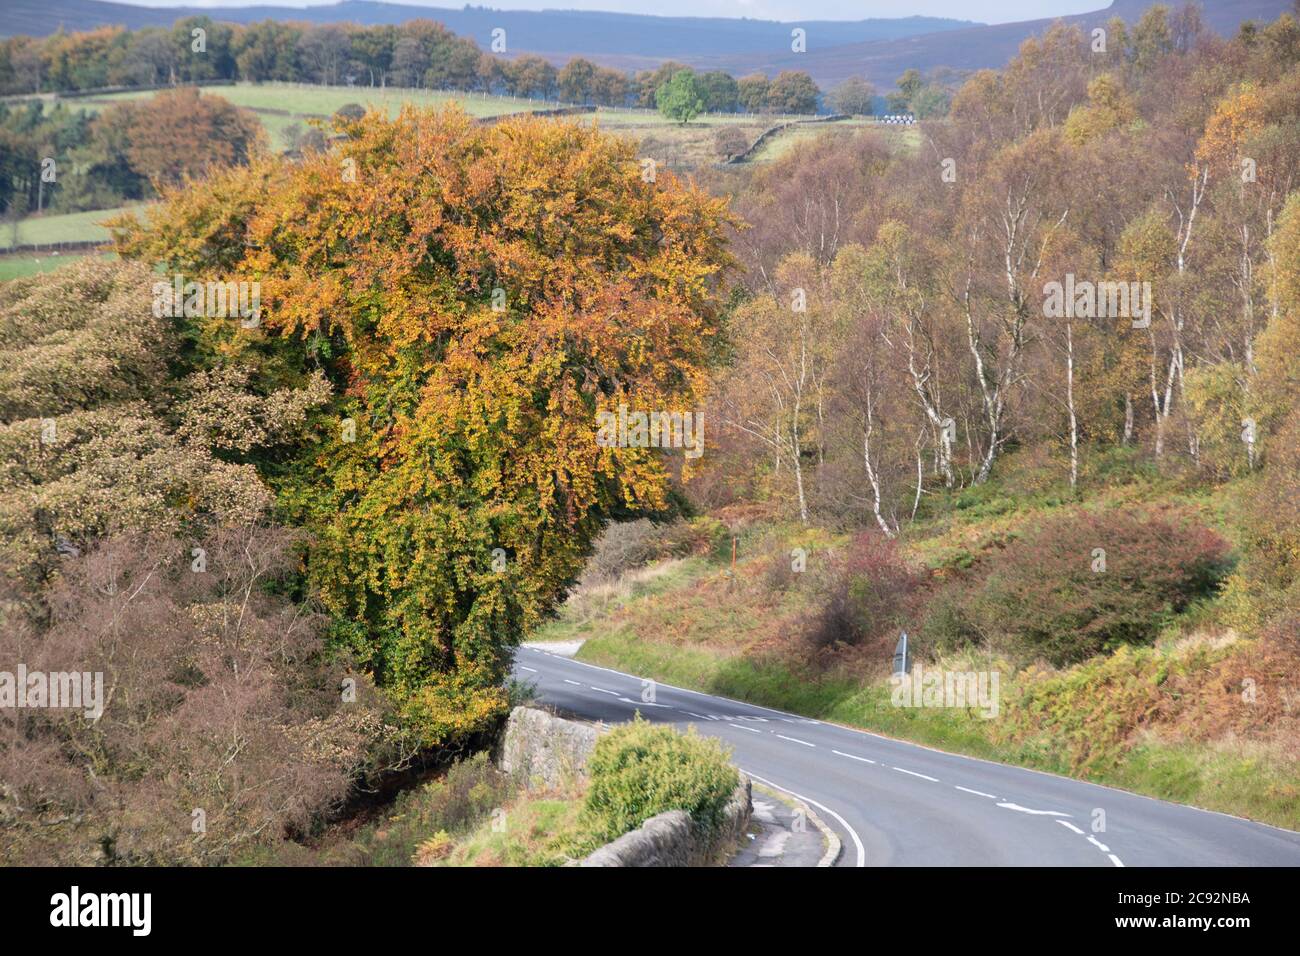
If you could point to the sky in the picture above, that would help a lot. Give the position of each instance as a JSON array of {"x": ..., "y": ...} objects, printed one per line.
[{"x": 985, "y": 11}]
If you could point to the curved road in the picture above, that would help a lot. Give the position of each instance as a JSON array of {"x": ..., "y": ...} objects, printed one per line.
[{"x": 901, "y": 804}]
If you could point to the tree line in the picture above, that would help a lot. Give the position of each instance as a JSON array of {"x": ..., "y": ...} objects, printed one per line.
[{"x": 418, "y": 53}]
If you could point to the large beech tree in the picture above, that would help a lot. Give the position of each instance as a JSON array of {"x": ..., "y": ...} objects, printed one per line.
[{"x": 477, "y": 294}]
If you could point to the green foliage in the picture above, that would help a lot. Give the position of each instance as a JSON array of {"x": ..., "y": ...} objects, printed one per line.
[
  {"x": 1086, "y": 582},
  {"x": 641, "y": 769},
  {"x": 680, "y": 98},
  {"x": 1221, "y": 409}
]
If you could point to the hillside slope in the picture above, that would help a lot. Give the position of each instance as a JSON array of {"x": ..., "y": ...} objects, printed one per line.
[
  {"x": 569, "y": 32},
  {"x": 973, "y": 48}
]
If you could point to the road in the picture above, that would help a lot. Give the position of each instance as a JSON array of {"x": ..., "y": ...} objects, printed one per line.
[{"x": 900, "y": 804}]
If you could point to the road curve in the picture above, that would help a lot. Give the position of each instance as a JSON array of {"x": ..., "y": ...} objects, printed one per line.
[{"x": 900, "y": 804}]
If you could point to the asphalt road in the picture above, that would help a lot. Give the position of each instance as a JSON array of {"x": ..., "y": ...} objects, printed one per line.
[{"x": 901, "y": 804}]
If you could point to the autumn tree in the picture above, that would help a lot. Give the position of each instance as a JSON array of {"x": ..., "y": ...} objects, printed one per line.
[
  {"x": 853, "y": 96},
  {"x": 478, "y": 294},
  {"x": 792, "y": 91},
  {"x": 159, "y": 134}
]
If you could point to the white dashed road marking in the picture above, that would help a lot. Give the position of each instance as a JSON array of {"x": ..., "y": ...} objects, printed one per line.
[
  {"x": 852, "y": 756},
  {"x": 1038, "y": 813},
  {"x": 750, "y": 729},
  {"x": 1070, "y": 826},
  {"x": 913, "y": 773},
  {"x": 978, "y": 793},
  {"x": 795, "y": 740}
]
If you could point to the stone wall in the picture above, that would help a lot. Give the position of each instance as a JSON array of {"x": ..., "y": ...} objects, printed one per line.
[{"x": 543, "y": 749}]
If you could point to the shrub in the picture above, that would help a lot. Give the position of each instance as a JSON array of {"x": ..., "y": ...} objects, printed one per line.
[
  {"x": 729, "y": 141},
  {"x": 622, "y": 547},
  {"x": 948, "y": 625},
  {"x": 868, "y": 597},
  {"x": 1055, "y": 595},
  {"x": 95, "y": 438},
  {"x": 641, "y": 769},
  {"x": 217, "y": 696}
]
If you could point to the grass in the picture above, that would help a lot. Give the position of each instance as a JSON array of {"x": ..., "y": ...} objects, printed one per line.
[
  {"x": 590, "y": 605},
  {"x": 326, "y": 100},
  {"x": 66, "y": 227},
  {"x": 17, "y": 266},
  {"x": 535, "y": 829},
  {"x": 306, "y": 101},
  {"x": 449, "y": 807},
  {"x": 1261, "y": 783}
]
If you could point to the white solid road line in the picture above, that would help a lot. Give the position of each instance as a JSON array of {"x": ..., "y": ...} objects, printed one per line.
[
  {"x": 1116, "y": 860},
  {"x": 853, "y": 756},
  {"x": 752, "y": 730},
  {"x": 857, "y": 842},
  {"x": 978, "y": 793},
  {"x": 795, "y": 740},
  {"x": 1098, "y": 844},
  {"x": 1070, "y": 826},
  {"x": 915, "y": 774}
]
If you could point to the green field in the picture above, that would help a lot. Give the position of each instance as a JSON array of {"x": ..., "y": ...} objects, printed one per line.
[
  {"x": 671, "y": 142},
  {"x": 15, "y": 267},
  {"x": 325, "y": 100},
  {"x": 68, "y": 227}
]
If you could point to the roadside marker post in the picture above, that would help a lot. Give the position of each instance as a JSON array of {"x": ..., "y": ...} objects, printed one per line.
[{"x": 900, "y": 656}]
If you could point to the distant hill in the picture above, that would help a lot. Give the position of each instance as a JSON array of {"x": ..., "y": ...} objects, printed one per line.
[
  {"x": 973, "y": 48},
  {"x": 563, "y": 33}
]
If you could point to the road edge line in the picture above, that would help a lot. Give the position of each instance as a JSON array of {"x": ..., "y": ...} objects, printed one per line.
[{"x": 857, "y": 841}]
